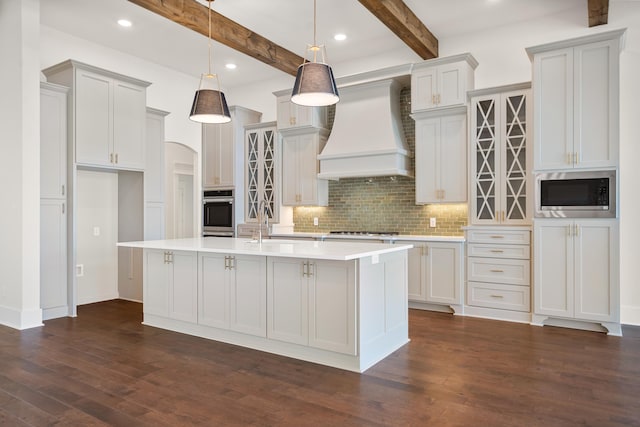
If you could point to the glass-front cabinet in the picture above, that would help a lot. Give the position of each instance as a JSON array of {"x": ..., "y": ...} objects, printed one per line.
[
  {"x": 261, "y": 171},
  {"x": 500, "y": 156}
]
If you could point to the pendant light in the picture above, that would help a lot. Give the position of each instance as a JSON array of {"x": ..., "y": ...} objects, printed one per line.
[
  {"x": 315, "y": 85},
  {"x": 209, "y": 104}
]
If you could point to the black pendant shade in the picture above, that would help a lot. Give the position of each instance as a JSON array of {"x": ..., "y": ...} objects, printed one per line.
[
  {"x": 315, "y": 85},
  {"x": 210, "y": 106}
]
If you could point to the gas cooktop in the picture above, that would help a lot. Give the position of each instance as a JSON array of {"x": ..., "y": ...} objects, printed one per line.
[{"x": 365, "y": 233}]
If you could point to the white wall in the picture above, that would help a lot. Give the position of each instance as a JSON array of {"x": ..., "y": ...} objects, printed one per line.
[
  {"x": 97, "y": 211},
  {"x": 20, "y": 172},
  {"x": 180, "y": 164}
]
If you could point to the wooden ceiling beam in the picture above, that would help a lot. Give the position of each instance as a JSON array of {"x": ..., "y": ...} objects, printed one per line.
[
  {"x": 193, "y": 15},
  {"x": 397, "y": 16},
  {"x": 598, "y": 12}
]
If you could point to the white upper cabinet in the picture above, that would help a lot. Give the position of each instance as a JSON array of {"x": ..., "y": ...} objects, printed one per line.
[
  {"x": 576, "y": 93},
  {"x": 262, "y": 171},
  {"x": 300, "y": 167},
  {"x": 109, "y": 112},
  {"x": 442, "y": 82},
  {"x": 53, "y": 141},
  {"x": 222, "y": 145},
  {"x": 294, "y": 116},
  {"x": 500, "y": 156},
  {"x": 441, "y": 159}
]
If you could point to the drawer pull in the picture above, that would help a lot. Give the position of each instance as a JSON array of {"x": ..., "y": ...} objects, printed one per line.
[
  {"x": 497, "y": 237},
  {"x": 496, "y": 271},
  {"x": 496, "y": 296},
  {"x": 497, "y": 251}
]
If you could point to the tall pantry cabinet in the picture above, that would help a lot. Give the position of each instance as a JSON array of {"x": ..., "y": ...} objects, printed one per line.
[
  {"x": 107, "y": 132},
  {"x": 576, "y": 99},
  {"x": 54, "y": 298}
]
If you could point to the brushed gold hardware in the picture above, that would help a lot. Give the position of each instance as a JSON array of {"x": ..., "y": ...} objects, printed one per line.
[
  {"x": 569, "y": 160},
  {"x": 495, "y": 270},
  {"x": 569, "y": 230},
  {"x": 439, "y": 99},
  {"x": 496, "y": 296},
  {"x": 497, "y": 251},
  {"x": 433, "y": 99},
  {"x": 577, "y": 230},
  {"x": 497, "y": 236},
  {"x": 576, "y": 158},
  {"x": 110, "y": 157}
]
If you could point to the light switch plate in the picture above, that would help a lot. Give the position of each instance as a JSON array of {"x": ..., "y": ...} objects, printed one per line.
[
  {"x": 315, "y": 221},
  {"x": 432, "y": 222}
]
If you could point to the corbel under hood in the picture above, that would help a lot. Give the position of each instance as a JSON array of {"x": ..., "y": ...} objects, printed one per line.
[{"x": 367, "y": 138}]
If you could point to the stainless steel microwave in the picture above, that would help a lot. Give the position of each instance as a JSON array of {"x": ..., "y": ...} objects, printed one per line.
[{"x": 584, "y": 194}]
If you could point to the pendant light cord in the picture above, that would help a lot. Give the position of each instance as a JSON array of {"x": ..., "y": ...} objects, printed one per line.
[
  {"x": 209, "y": 45},
  {"x": 315, "y": 42}
]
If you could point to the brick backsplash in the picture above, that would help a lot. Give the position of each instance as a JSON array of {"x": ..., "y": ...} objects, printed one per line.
[{"x": 382, "y": 203}]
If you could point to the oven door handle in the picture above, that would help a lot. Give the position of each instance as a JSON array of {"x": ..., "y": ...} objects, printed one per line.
[{"x": 205, "y": 201}]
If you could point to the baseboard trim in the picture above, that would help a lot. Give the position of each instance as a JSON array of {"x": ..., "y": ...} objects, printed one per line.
[
  {"x": 20, "y": 319},
  {"x": 630, "y": 315}
]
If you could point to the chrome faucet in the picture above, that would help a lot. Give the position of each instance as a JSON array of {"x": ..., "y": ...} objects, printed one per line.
[{"x": 262, "y": 207}]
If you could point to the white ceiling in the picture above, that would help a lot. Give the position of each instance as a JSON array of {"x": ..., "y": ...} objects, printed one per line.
[{"x": 288, "y": 23}]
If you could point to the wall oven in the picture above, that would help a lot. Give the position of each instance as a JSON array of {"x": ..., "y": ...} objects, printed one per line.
[
  {"x": 585, "y": 194},
  {"x": 218, "y": 213}
]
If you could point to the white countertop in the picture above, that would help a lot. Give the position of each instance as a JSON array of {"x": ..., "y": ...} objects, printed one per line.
[
  {"x": 340, "y": 251},
  {"x": 386, "y": 238}
]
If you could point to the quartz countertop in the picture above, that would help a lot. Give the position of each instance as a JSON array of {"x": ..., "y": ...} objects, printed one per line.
[
  {"x": 340, "y": 251},
  {"x": 385, "y": 238}
]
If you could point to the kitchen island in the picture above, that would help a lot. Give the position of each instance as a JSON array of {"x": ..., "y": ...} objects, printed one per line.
[{"x": 339, "y": 304}]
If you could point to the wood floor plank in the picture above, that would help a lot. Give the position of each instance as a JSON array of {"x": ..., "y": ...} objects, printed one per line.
[{"x": 106, "y": 368}]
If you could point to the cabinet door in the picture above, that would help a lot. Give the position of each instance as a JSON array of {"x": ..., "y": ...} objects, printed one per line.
[
  {"x": 93, "y": 118},
  {"x": 514, "y": 157},
  {"x": 261, "y": 173},
  {"x": 485, "y": 160},
  {"x": 427, "y": 161},
  {"x": 217, "y": 155},
  {"x": 443, "y": 281},
  {"x": 154, "y": 159},
  {"x": 553, "y": 279},
  {"x": 332, "y": 306},
  {"x": 452, "y": 168},
  {"x": 452, "y": 84},
  {"x": 183, "y": 288},
  {"x": 270, "y": 172},
  {"x": 53, "y": 258},
  {"x": 596, "y": 274},
  {"x": 416, "y": 272},
  {"x": 287, "y": 301},
  {"x": 285, "y": 113},
  {"x": 248, "y": 295},
  {"x": 290, "y": 170},
  {"x": 213, "y": 291},
  {"x": 308, "y": 167},
  {"x": 156, "y": 283},
  {"x": 53, "y": 143},
  {"x": 253, "y": 175},
  {"x": 129, "y": 112},
  {"x": 595, "y": 125},
  {"x": 423, "y": 89},
  {"x": 553, "y": 86}
]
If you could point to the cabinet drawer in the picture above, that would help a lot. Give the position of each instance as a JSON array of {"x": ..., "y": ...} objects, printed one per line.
[
  {"x": 501, "y": 236},
  {"x": 493, "y": 295},
  {"x": 493, "y": 270},
  {"x": 488, "y": 250}
]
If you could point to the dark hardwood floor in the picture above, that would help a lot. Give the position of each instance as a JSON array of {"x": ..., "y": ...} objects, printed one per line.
[{"x": 105, "y": 368}]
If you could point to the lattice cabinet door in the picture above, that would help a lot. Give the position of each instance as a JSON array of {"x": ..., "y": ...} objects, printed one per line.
[
  {"x": 261, "y": 172},
  {"x": 485, "y": 160},
  {"x": 515, "y": 158},
  {"x": 501, "y": 158}
]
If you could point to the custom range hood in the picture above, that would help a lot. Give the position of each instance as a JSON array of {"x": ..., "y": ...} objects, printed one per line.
[{"x": 367, "y": 138}]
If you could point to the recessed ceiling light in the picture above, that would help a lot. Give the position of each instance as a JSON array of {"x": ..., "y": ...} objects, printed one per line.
[
  {"x": 124, "y": 22},
  {"x": 340, "y": 37},
  {"x": 231, "y": 66}
]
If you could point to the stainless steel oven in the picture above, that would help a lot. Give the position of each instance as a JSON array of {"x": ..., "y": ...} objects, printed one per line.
[
  {"x": 585, "y": 194},
  {"x": 218, "y": 213}
]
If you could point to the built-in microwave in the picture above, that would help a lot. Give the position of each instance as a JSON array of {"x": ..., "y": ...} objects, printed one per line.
[
  {"x": 584, "y": 194},
  {"x": 218, "y": 213}
]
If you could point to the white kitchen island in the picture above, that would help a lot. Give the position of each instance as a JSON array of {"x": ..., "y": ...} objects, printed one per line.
[{"x": 339, "y": 304}]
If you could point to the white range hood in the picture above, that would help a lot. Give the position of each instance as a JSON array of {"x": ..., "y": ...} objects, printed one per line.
[{"x": 367, "y": 138}]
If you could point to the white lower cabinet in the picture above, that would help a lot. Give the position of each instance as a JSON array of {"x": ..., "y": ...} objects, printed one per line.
[
  {"x": 499, "y": 272},
  {"x": 312, "y": 302},
  {"x": 435, "y": 273},
  {"x": 170, "y": 284},
  {"x": 232, "y": 292},
  {"x": 576, "y": 274}
]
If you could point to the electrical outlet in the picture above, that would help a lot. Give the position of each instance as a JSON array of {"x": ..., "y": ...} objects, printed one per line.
[
  {"x": 432, "y": 222},
  {"x": 79, "y": 270},
  {"x": 96, "y": 231},
  {"x": 315, "y": 221}
]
